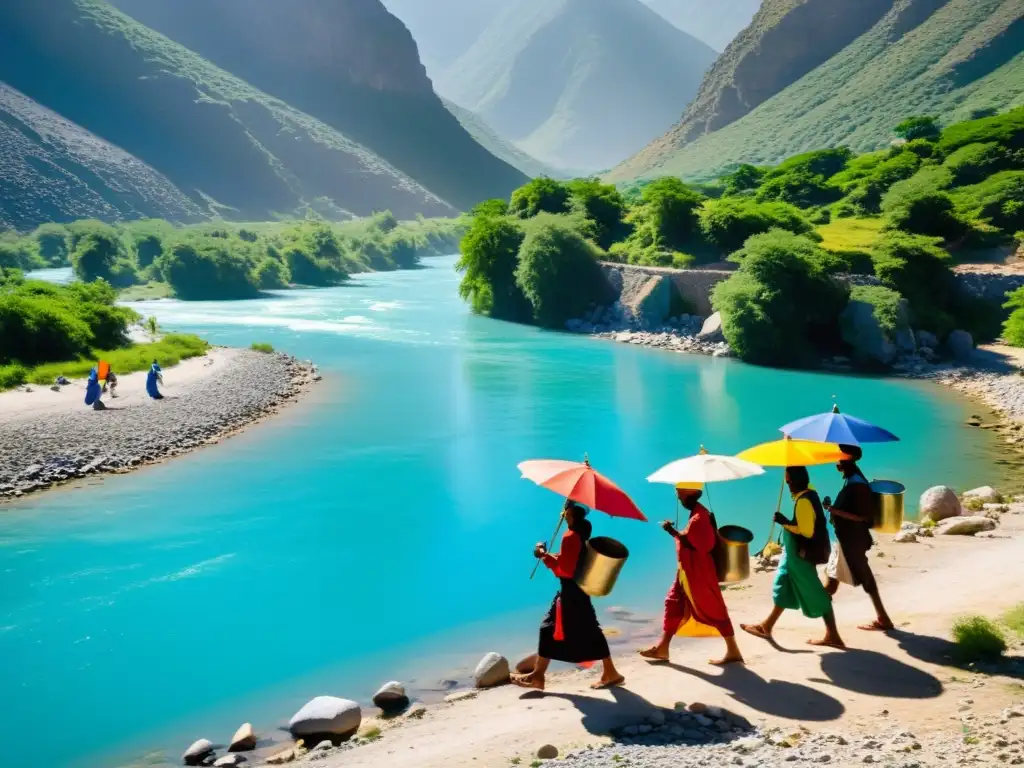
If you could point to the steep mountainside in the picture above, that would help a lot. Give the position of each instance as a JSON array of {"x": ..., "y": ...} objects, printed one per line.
[
  {"x": 942, "y": 57},
  {"x": 578, "y": 83},
  {"x": 715, "y": 23},
  {"x": 499, "y": 147},
  {"x": 226, "y": 146},
  {"x": 348, "y": 63},
  {"x": 445, "y": 29},
  {"x": 52, "y": 170}
]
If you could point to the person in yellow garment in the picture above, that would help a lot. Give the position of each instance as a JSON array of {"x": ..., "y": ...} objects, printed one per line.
[
  {"x": 694, "y": 606},
  {"x": 805, "y": 546}
]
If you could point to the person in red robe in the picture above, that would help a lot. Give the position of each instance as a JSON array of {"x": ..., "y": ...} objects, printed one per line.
[{"x": 695, "y": 606}]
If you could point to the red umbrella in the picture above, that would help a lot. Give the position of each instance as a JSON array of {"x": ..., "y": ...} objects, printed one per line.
[{"x": 583, "y": 484}]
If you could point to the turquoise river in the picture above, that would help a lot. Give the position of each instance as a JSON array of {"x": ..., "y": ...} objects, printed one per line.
[{"x": 379, "y": 528}]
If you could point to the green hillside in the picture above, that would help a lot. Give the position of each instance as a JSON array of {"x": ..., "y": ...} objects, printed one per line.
[
  {"x": 351, "y": 65},
  {"x": 951, "y": 59},
  {"x": 578, "y": 83},
  {"x": 714, "y": 23}
]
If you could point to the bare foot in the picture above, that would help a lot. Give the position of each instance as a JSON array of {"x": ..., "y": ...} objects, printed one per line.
[
  {"x": 533, "y": 681},
  {"x": 654, "y": 653},
  {"x": 828, "y": 642},
  {"x": 877, "y": 626},
  {"x": 729, "y": 658},
  {"x": 610, "y": 683},
  {"x": 757, "y": 630}
]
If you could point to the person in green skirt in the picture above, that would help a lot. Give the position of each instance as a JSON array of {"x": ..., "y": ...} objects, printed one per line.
[{"x": 805, "y": 546}]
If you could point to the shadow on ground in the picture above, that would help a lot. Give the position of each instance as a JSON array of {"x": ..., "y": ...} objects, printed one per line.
[
  {"x": 777, "y": 698},
  {"x": 876, "y": 674},
  {"x": 601, "y": 716},
  {"x": 943, "y": 652}
]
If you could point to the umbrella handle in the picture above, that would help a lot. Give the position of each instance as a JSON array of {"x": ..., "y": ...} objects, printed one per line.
[
  {"x": 778, "y": 508},
  {"x": 561, "y": 519}
]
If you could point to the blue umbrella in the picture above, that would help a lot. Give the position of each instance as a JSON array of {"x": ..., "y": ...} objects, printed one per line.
[{"x": 836, "y": 427}]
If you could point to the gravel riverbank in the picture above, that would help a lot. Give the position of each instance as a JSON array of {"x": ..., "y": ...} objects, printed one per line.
[{"x": 49, "y": 437}]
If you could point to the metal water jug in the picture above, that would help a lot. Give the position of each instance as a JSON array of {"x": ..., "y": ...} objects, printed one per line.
[
  {"x": 732, "y": 554},
  {"x": 602, "y": 563},
  {"x": 888, "y": 506}
]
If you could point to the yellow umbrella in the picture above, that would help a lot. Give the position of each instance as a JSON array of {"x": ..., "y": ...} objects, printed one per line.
[{"x": 791, "y": 453}]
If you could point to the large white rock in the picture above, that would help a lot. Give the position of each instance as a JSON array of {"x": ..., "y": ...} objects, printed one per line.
[
  {"x": 960, "y": 345},
  {"x": 712, "y": 332},
  {"x": 244, "y": 739},
  {"x": 939, "y": 503},
  {"x": 326, "y": 716},
  {"x": 492, "y": 670},
  {"x": 863, "y": 332},
  {"x": 965, "y": 526},
  {"x": 198, "y": 753},
  {"x": 986, "y": 494},
  {"x": 391, "y": 697}
]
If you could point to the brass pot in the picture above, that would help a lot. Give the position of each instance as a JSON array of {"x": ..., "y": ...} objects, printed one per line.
[
  {"x": 732, "y": 554},
  {"x": 602, "y": 563},
  {"x": 888, "y": 506}
]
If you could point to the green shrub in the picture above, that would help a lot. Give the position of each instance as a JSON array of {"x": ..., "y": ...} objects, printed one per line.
[
  {"x": 262, "y": 346},
  {"x": 540, "y": 195},
  {"x": 199, "y": 268},
  {"x": 665, "y": 223},
  {"x": 978, "y": 639},
  {"x": 1006, "y": 130},
  {"x": 887, "y": 306},
  {"x": 780, "y": 308},
  {"x": 558, "y": 272},
  {"x": 1014, "y": 619},
  {"x": 919, "y": 127},
  {"x": 490, "y": 254},
  {"x": 1013, "y": 329},
  {"x": 603, "y": 205},
  {"x": 921, "y": 206},
  {"x": 846, "y": 262},
  {"x": 998, "y": 200},
  {"x": 746, "y": 178},
  {"x": 917, "y": 268},
  {"x": 99, "y": 253},
  {"x": 12, "y": 375},
  {"x": 975, "y": 162},
  {"x": 52, "y": 240},
  {"x": 729, "y": 222},
  {"x": 306, "y": 269},
  {"x": 271, "y": 273}
]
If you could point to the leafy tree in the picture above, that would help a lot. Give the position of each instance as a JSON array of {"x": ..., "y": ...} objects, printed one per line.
[
  {"x": 99, "y": 254},
  {"x": 745, "y": 178},
  {"x": 729, "y": 222},
  {"x": 148, "y": 247},
  {"x": 201, "y": 268},
  {"x": 490, "y": 254},
  {"x": 19, "y": 253},
  {"x": 495, "y": 207},
  {"x": 307, "y": 269},
  {"x": 53, "y": 244},
  {"x": 1013, "y": 329},
  {"x": 919, "y": 270},
  {"x": 558, "y": 272},
  {"x": 542, "y": 194},
  {"x": 603, "y": 205},
  {"x": 919, "y": 127},
  {"x": 270, "y": 274},
  {"x": 665, "y": 224}
]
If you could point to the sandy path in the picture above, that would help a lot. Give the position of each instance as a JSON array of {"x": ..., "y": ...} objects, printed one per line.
[
  {"x": 131, "y": 388},
  {"x": 905, "y": 676}
]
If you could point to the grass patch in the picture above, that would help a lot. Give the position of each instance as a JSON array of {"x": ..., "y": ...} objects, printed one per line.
[
  {"x": 850, "y": 234},
  {"x": 146, "y": 292},
  {"x": 978, "y": 639},
  {"x": 371, "y": 734},
  {"x": 1014, "y": 620},
  {"x": 262, "y": 346},
  {"x": 170, "y": 350}
]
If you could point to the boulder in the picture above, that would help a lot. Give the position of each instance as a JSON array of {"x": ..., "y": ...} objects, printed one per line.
[
  {"x": 416, "y": 711},
  {"x": 965, "y": 526},
  {"x": 229, "y": 760},
  {"x": 492, "y": 670},
  {"x": 198, "y": 753},
  {"x": 712, "y": 332},
  {"x": 905, "y": 341},
  {"x": 905, "y": 537},
  {"x": 927, "y": 340},
  {"x": 326, "y": 716},
  {"x": 986, "y": 494},
  {"x": 244, "y": 739},
  {"x": 649, "y": 301},
  {"x": 960, "y": 345},
  {"x": 939, "y": 503},
  {"x": 391, "y": 697},
  {"x": 547, "y": 752},
  {"x": 862, "y": 331}
]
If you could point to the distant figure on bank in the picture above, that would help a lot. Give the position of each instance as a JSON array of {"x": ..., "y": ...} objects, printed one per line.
[
  {"x": 570, "y": 631},
  {"x": 110, "y": 383},
  {"x": 852, "y": 516},
  {"x": 695, "y": 606},
  {"x": 152, "y": 378},
  {"x": 92, "y": 388},
  {"x": 805, "y": 546}
]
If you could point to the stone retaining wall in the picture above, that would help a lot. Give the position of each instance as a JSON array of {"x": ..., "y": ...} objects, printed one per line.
[{"x": 694, "y": 285}]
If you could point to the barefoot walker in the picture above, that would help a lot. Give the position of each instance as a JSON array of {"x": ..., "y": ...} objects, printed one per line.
[
  {"x": 805, "y": 546},
  {"x": 695, "y": 606}
]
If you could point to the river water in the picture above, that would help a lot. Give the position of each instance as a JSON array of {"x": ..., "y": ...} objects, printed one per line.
[{"x": 380, "y": 528}]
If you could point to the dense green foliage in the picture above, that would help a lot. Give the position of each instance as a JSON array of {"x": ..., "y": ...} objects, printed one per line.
[
  {"x": 603, "y": 205},
  {"x": 919, "y": 127},
  {"x": 490, "y": 254},
  {"x": 886, "y": 305},
  {"x": 917, "y": 268},
  {"x": 542, "y": 194},
  {"x": 666, "y": 224},
  {"x": 978, "y": 639},
  {"x": 1013, "y": 330},
  {"x": 781, "y": 307},
  {"x": 729, "y": 222}
]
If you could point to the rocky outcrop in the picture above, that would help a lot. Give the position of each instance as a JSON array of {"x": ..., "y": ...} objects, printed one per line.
[
  {"x": 862, "y": 331},
  {"x": 986, "y": 494},
  {"x": 939, "y": 503},
  {"x": 327, "y": 717}
]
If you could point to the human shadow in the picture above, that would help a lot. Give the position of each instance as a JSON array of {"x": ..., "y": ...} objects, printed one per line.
[
  {"x": 601, "y": 716},
  {"x": 876, "y": 674},
  {"x": 943, "y": 652},
  {"x": 777, "y": 698}
]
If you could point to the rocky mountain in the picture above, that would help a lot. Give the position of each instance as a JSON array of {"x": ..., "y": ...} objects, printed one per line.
[
  {"x": 813, "y": 73},
  {"x": 578, "y": 84},
  {"x": 499, "y": 147},
  {"x": 445, "y": 29},
  {"x": 351, "y": 65},
  {"x": 717, "y": 23}
]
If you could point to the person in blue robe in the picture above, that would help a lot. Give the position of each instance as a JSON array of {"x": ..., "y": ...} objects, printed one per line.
[
  {"x": 152, "y": 378},
  {"x": 92, "y": 388}
]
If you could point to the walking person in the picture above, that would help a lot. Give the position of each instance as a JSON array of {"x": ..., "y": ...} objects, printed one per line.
[
  {"x": 570, "y": 631},
  {"x": 805, "y": 546},
  {"x": 852, "y": 515},
  {"x": 694, "y": 606}
]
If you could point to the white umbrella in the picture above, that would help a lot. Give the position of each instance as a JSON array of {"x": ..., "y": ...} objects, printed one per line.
[{"x": 705, "y": 468}]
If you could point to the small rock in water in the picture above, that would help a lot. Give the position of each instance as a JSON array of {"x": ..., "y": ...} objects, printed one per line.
[
  {"x": 244, "y": 739},
  {"x": 391, "y": 697},
  {"x": 547, "y": 752},
  {"x": 198, "y": 753},
  {"x": 228, "y": 760}
]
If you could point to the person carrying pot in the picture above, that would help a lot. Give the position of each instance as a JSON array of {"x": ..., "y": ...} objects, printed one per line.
[{"x": 694, "y": 606}]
